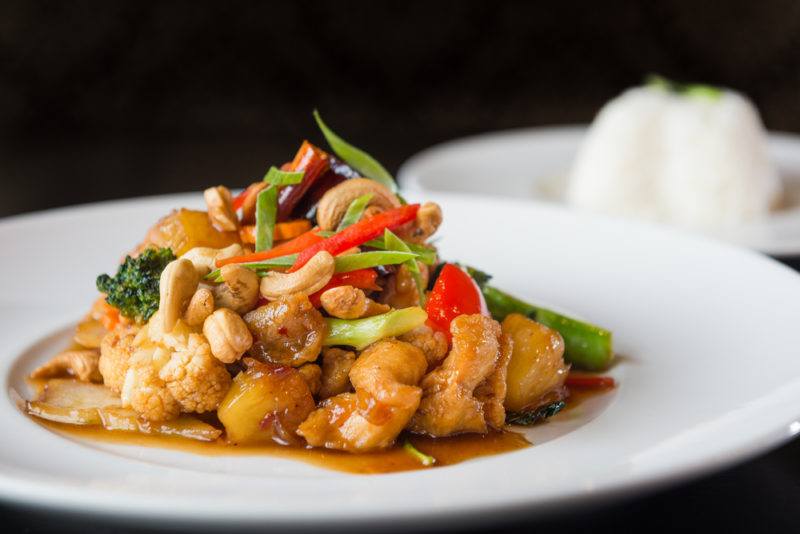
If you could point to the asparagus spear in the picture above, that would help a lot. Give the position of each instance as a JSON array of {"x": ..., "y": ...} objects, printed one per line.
[{"x": 587, "y": 346}]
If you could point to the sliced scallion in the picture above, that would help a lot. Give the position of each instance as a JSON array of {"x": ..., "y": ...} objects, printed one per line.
[
  {"x": 365, "y": 260},
  {"x": 275, "y": 176},
  {"x": 392, "y": 242},
  {"x": 425, "y": 459},
  {"x": 266, "y": 212},
  {"x": 354, "y": 211},
  {"x": 355, "y": 157}
]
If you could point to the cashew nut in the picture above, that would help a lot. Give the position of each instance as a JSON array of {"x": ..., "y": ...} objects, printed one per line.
[
  {"x": 239, "y": 290},
  {"x": 82, "y": 364},
  {"x": 227, "y": 335},
  {"x": 178, "y": 283},
  {"x": 200, "y": 307},
  {"x": 220, "y": 208},
  {"x": 307, "y": 280},
  {"x": 348, "y": 302},
  {"x": 205, "y": 259},
  {"x": 334, "y": 203},
  {"x": 429, "y": 217}
]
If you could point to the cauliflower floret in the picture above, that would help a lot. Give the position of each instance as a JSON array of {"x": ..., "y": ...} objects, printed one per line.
[
  {"x": 146, "y": 392},
  {"x": 163, "y": 375},
  {"x": 116, "y": 350},
  {"x": 196, "y": 379}
]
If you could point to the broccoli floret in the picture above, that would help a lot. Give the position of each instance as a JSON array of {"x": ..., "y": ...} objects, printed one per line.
[{"x": 134, "y": 289}]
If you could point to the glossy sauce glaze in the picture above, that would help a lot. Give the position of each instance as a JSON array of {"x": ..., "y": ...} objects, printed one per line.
[{"x": 446, "y": 451}]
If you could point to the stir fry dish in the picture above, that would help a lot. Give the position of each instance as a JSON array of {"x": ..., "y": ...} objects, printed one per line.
[{"x": 312, "y": 310}]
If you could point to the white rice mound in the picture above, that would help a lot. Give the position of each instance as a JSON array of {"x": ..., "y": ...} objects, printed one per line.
[{"x": 694, "y": 161}]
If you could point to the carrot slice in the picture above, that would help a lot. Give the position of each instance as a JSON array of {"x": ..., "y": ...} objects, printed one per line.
[
  {"x": 359, "y": 233},
  {"x": 293, "y": 246},
  {"x": 283, "y": 231}
]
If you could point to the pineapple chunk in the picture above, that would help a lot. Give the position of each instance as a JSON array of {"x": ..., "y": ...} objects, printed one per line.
[
  {"x": 265, "y": 402},
  {"x": 185, "y": 229}
]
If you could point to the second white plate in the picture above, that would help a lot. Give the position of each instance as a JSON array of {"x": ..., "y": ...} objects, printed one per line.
[{"x": 534, "y": 163}]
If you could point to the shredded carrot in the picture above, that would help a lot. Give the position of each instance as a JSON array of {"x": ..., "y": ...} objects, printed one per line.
[{"x": 283, "y": 231}]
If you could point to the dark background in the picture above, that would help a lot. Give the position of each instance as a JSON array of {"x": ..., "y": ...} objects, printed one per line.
[{"x": 108, "y": 99}]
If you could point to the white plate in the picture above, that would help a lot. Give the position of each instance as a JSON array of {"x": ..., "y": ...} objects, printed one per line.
[
  {"x": 709, "y": 376},
  {"x": 534, "y": 163}
]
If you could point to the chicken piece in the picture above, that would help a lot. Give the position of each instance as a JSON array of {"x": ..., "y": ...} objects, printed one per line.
[
  {"x": 449, "y": 404},
  {"x": 116, "y": 350},
  {"x": 81, "y": 364},
  {"x": 492, "y": 392},
  {"x": 401, "y": 290},
  {"x": 287, "y": 331},
  {"x": 336, "y": 365},
  {"x": 385, "y": 378},
  {"x": 312, "y": 374},
  {"x": 432, "y": 343}
]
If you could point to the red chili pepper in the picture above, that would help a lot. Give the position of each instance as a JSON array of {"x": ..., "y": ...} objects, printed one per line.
[
  {"x": 292, "y": 246},
  {"x": 239, "y": 200},
  {"x": 362, "y": 279},
  {"x": 359, "y": 233},
  {"x": 577, "y": 380},
  {"x": 314, "y": 162},
  {"x": 454, "y": 293}
]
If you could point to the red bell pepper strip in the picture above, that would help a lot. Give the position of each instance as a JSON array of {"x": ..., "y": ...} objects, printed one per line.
[
  {"x": 577, "y": 380},
  {"x": 293, "y": 246},
  {"x": 454, "y": 293},
  {"x": 359, "y": 233},
  {"x": 362, "y": 279}
]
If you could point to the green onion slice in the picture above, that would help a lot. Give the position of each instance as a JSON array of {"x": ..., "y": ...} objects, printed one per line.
[
  {"x": 275, "y": 176},
  {"x": 392, "y": 242},
  {"x": 423, "y": 458},
  {"x": 424, "y": 254},
  {"x": 354, "y": 211},
  {"x": 266, "y": 212},
  {"x": 365, "y": 260},
  {"x": 355, "y": 157}
]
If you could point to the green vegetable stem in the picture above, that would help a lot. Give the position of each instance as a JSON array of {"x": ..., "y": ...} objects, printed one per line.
[
  {"x": 360, "y": 333},
  {"x": 587, "y": 346}
]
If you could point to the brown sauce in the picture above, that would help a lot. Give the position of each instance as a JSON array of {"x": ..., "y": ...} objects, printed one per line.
[{"x": 446, "y": 451}]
